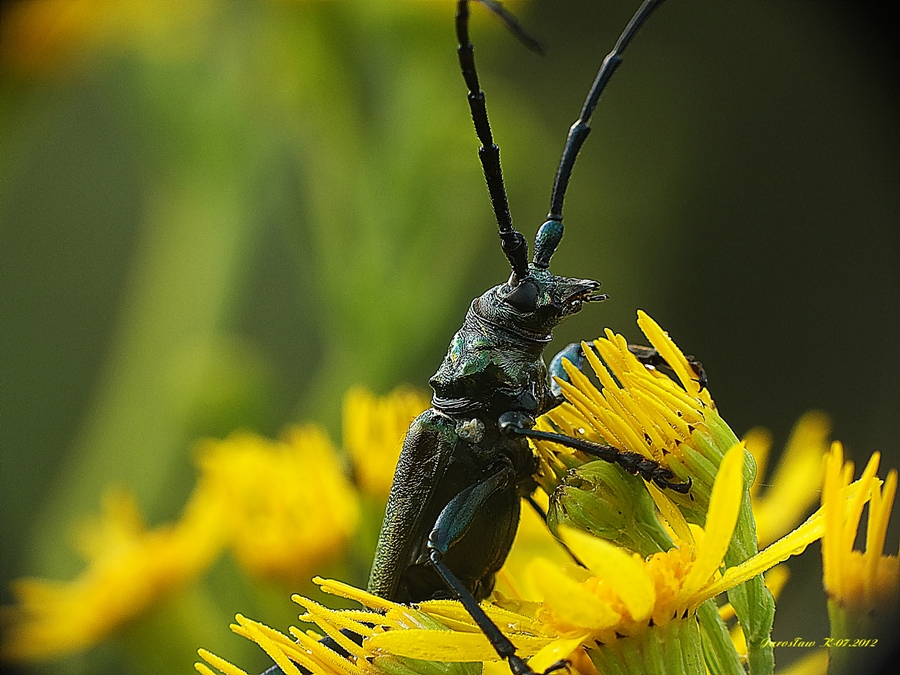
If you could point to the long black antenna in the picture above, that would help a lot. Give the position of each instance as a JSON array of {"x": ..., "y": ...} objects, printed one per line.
[
  {"x": 580, "y": 130},
  {"x": 514, "y": 244}
]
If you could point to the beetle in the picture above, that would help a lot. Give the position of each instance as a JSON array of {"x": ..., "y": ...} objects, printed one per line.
[{"x": 466, "y": 464}]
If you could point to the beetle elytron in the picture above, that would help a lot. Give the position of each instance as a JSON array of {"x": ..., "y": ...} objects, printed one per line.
[{"x": 466, "y": 463}]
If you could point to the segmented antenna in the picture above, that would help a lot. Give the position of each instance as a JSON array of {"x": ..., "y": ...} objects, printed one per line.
[
  {"x": 552, "y": 229},
  {"x": 514, "y": 244}
]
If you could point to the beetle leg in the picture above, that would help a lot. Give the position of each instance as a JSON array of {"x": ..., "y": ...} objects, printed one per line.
[
  {"x": 543, "y": 514},
  {"x": 452, "y": 524},
  {"x": 501, "y": 644},
  {"x": 633, "y": 462}
]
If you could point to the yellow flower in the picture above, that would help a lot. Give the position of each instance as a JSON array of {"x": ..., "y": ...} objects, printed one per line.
[
  {"x": 672, "y": 421},
  {"x": 857, "y": 581},
  {"x": 287, "y": 503},
  {"x": 619, "y": 597},
  {"x": 794, "y": 485},
  {"x": 130, "y": 569},
  {"x": 373, "y": 432},
  {"x": 639, "y": 409},
  {"x": 863, "y": 586}
]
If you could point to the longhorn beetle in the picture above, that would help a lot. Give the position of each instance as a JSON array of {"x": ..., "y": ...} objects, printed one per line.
[{"x": 466, "y": 464}]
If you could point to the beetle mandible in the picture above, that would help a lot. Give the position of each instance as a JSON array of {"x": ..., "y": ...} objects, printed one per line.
[{"x": 466, "y": 463}]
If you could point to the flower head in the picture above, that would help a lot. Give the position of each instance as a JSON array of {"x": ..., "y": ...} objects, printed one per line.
[
  {"x": 858, "y": 581},
  {"x": 639, "y": 409},
  {"x": 130, "y": 568},
  {"x": 288, "y": 505}
]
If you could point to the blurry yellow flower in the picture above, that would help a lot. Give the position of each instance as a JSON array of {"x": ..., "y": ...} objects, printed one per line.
[
  {"x": 795, "y": 482},
  {"x": 130, "y": 569},
  {"x": 863, "y": 587},
  {"x": 373, "y": 432},
  {"x": 46, "y": 34},
  {"x": 287, "y": 504},
  {"x": 533, "y": 539},
  {"x": 813, "y": 663}
]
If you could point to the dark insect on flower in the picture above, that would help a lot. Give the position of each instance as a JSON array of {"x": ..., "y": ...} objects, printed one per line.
[{"x": 466, "y": 462}]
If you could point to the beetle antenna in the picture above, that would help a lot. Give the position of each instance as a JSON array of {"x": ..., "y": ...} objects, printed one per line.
[
  {"x": 512, "y": 23},
  {"x": 551, "y": 232},
  {"x": 514, "y": 244}
]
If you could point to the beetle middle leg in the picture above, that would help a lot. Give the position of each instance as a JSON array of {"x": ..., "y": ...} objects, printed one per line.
[
  {"x": 452, "y": 525},
  {"x": 542, "y": 514}
]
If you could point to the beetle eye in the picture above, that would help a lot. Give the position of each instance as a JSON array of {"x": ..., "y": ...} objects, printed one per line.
[{"x": 524, "y": 297}]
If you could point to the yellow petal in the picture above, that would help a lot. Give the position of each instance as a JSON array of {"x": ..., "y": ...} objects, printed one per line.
[
  {"x": 721, "y": 517},
  {"x": 791, "y": 544},
  {"x": 448, "y": 646},
  {"x": 671, "y": 513},
  {"x": 558, "y": 650},
  {"x": 632, "y": 583},
  {"x": 342, "y": 590},
  {"x": 570, "y": 601},
  {"x": 219, "y": 663},
  {"x": 758, "y": 442},
  {"x": 879, "y": 514},
  {"x": 270, "y": 648},
  {"x": 670, "y": 352}
]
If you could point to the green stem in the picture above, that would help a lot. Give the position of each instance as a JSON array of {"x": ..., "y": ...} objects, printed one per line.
[{"x": 718, "y": 649}]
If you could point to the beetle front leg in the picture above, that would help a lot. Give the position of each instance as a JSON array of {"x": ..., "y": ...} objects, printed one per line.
[{"x": 453, "y": 523}]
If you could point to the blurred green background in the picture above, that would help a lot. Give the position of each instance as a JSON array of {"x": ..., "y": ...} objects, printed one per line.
[{"x": 222, "y": 214}]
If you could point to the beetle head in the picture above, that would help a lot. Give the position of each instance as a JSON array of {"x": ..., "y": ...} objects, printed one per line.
[
  {"x": 538, "y": 303},
  {"x": 535, "y": 304}
]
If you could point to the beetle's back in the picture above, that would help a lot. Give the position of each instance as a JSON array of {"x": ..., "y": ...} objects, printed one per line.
[{"x": 435, "y": 466}]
